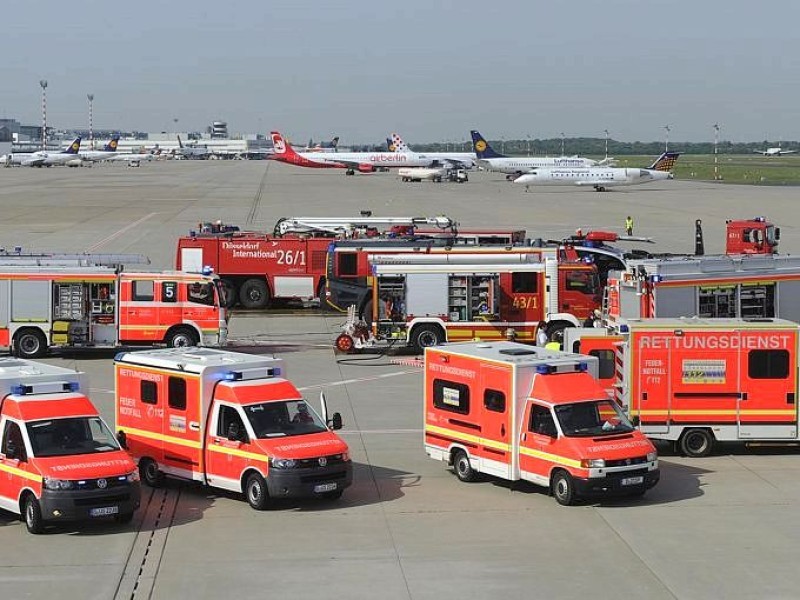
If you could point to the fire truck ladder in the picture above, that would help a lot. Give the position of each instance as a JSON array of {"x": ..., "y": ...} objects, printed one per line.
[
  {"x": 347, "y": 226},
  {"x": 66, "y": 259}
]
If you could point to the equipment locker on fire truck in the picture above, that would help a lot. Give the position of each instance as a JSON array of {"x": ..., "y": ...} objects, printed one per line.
[
  {"x": 520, "y": 412},
  {"x": 58, "y": 460},
  {"x": 228, "y": 420}
]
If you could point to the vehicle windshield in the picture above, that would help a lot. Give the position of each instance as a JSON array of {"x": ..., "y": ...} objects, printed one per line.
[
  {"x": 284, "y": 418},
  {"x": 771, "y": 235},
  {"x": 584, "y": 419},
  {"x": 74, "y": 435}
]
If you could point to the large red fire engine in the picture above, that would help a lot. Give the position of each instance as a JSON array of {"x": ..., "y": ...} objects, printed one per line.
[
  {"x": 520, "y": 412},
  {"x": 700, "y": 381},
  {"x": 228, "y": 420},
  {"x": 58, "y": 460},
  {"x": 74, "y": 306},
  {"x": 425, "y": 300},
  {"x": 751, "y": 236}
]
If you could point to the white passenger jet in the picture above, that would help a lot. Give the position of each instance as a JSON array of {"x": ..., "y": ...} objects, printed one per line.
[
  {"x": 44, "y": 158},
  {"x": 774, "y": 151},
  {"x": 601, "y": 178},
  {"x": 364, "y": 162},
  {"x": 108, "y": 151},
  {"x": 450, "y": 160}
]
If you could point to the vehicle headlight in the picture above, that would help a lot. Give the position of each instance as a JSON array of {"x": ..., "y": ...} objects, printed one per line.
[
  {"x": 593, "y": 463},
  {"x": 283, "y": 463},
  {"x": 345, "y": 456},
  {"x": 651, "y": 456},
  {"x": 132, "y": 477},
  {"x": 58, "y": 484}
]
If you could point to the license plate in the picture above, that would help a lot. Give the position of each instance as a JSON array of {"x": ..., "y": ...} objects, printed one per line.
[
  {"x": 633, "y": 480},
  {"x": 104, "y": 511},
  {"x": 325, "y": 487}
]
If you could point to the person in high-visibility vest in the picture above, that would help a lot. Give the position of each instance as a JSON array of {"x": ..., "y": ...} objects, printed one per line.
[
  {"x": 552, "y": 346},
  {"x": 629, "y": 225}
]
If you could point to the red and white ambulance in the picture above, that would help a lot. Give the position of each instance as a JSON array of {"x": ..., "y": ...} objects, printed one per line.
[
  {"x": 58, "y": 460},
  {"x": 521, "y": 412},
  {"x": 227, "y": 420}
]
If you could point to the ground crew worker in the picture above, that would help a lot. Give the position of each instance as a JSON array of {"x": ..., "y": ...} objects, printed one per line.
[
  {"x": 541, "y": 334},
  {"x": 629, "y": 225},
  {"x": 552, "y": 346}
]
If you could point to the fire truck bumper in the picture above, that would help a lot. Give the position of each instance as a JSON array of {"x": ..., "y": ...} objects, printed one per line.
[
  {"x": 308, "y": 483},
  {"x": 617, "y": 484},
  {"x": 84, "y": 505}
]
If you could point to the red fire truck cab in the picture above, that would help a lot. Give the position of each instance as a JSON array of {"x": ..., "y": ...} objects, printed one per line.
[
  {"x": 522, "y": 413},
  {"x": 751, "y": 236},
  {"x": 227, "y": 420},
  {"x": 58, "y": 460}
]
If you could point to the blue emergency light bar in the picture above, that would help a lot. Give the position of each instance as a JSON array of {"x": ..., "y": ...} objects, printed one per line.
[
  {"x": 72, "y": 386},
  {"x": 544, "y": 369},
  {"x": 208, "y": 270},
  {"x": 655, "y": 278},
  {"x": 238, "y": 375},
  {"x": 20, "y": 390}
]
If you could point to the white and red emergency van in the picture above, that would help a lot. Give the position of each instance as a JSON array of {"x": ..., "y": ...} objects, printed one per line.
[
  {"x": 44, "y": 307},
  {"x": 697, "y": 381},
  {"x": 227, "y": 420},
  {"x": 58, "y": 460},
  {"x": 524, "y": 413}
]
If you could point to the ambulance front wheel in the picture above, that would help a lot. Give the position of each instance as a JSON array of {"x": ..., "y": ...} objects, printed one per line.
[
  {"x": 32, "y": 513},
  {"x": 150, "y": 473},
  {"x": 30, "y": 343},
  {"x": 563, "y": 488},
  {"x": 462, "y": 468},
  {"x": 696, "y": 443},
  {"x": 255, "y": 489}
]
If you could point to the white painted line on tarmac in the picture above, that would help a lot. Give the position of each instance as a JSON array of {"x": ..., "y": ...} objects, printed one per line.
[
  {"x": 359, "y": 380},
  {"x": 118, "y": 233}
]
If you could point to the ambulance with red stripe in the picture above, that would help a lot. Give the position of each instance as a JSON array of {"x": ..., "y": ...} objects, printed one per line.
[
  {"x": 696, "y": 382},
  {"x": 524, "y": 413},
  {"x": 58, "y": 460},
  {"x": 227, "y": 420}
]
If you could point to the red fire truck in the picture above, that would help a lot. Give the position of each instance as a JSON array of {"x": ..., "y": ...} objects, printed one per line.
[
  {"x": 44, "y": 307},
  {"x": 427, "y": 299},
  {"x": 58, "y": 460},
  {"x": 524, "y": 413},
  {"x": 228, "y": 420},
  {"x": 699, "y": 381},
  {"x": 287, "y": 264},
  {"x": 751, "y": 236}
]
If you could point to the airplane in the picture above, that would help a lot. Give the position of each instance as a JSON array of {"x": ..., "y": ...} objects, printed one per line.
[
  {"x": 518, "y": 165},
  {"x": 109, "y": 150},
  {"x": 44, "y": 158},
  {"x": 599, "y": 177},
  {"x": 450, "y": 160},
  {"x": 134, "y": 159},
  {"x": 774, "y": 151},
  {"x": 192, "y": 150},
  {"x": 331, "y": 146},
  {"x": 364, "y": 162}
]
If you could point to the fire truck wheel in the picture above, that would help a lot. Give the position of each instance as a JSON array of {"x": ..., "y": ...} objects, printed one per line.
[
  {"x": 462, "y": 468},
  {"x": 425, "y": 336},
  {"x": 181, "y": 337},
  {"x": 150, "y": 473},
  {"x": 563, "y": 488},
  {"x": 30, "y": 343},
  {"x": 256, "y": 491},
  {"x": 231, "y": 293},
  {"x": 32, "y": 513},
  {"x": 344, "y": 343},
  {"x": 697, "y": 442},
  {"x": 254, "y": 293}
]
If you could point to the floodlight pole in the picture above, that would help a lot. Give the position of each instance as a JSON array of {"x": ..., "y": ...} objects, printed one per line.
[
  {"x": 90, "y": 98},
  {"x": 716, "y": 151},
  {"x": 562, "y": 144},
  {"x": 43, "y": 84},
  {"x": 666, "y": 138},
  {"x": 606, "y": 132},
  {"x": 528, "y": 144}
]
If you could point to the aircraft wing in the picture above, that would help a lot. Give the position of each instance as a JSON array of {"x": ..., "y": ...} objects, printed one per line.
[
  {"x": 600, "y": 182},
  {"x": 762, "y": 152},
  {"x": 350, "y": 164},
  {"x": 787, "y": 151}
]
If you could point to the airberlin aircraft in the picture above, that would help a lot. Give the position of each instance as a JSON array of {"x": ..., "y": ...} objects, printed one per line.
[{"x": 364, "y": 162}]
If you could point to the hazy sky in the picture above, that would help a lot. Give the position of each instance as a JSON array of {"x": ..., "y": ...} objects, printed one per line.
[{"x": 428, "y": 70}]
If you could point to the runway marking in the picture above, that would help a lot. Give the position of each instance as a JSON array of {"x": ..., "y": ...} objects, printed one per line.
[
  {"x": 118, "y": 233},
  {"x": 359, "y": 380}
]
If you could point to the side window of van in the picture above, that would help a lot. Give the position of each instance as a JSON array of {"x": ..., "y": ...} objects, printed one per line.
[
  {"x": 148, "y": 392},
  {"x": 451, "y": 396},
  {"x": 143, "y": 290},
  {"x": 768, "y": 364},
  {"x": 494, "y": 400},
  {"x": 176, "y": 393},
  {"x": 13, "y": 445}
]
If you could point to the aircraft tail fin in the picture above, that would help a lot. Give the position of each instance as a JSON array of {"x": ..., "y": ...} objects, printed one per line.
[
  {"x": 482, "y": 147},
  {"x": 665, "y": 162},
  {"x": 283, "y": 149},
  {"x": 335, "y": 142},
  {"x": 180, "y": 143},
  {"x": 111, "y": 146},
  {"x": 399, "y": 144},
  {"x": 74, "y": 147}
]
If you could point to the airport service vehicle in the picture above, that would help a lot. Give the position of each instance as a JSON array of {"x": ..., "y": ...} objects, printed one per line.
[
  {"x": 523, "y": 413},
  {"x": 227, "y": 420},
  {"x": 426, "y": 300},
  {"x": 751, "y": 236},
  {"x": 58, "y": 460},
  {"x": 417, "y": 174},
  {"x": 256, "y": 268},
  {"x": 740, "y": 285},
  {"x": 457, "y": 175},
  {"x": 697, "y": 381},
  {"x": 76, "y": 306}
]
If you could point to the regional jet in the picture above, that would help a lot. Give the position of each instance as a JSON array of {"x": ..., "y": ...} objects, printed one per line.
[
  {"x": 44, "y": 158},
  {"x": 775, "y": 151},
  {"x": 450, "y": 160}
]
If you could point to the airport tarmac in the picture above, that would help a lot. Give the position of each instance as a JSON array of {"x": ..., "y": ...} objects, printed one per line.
[{"x": 725, "y": 526}]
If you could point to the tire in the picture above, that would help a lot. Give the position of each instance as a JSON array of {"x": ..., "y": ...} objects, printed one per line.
[
  {"x": 30, "y": 343},
  {"x": 124, "y": 518},
  {"x": 696, "y": 443},
  {"x": 254, "y": 293},
  {"x": 181, "y": 337},
  {"x": 32, "y": 514},
  {"x": 255, "y": 490},
  {"x": 344, "y": 343},
  {"x": 334, "y": 495},
  {"x": 231, "y": 293},
  {"x": 150, "y": 473},
  {"x": 462, "y": 468},
  {"x": 563, "y": 488},
  {"x": 425, "y": 336}
]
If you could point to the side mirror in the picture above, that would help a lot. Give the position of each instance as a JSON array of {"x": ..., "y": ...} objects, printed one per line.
[
  {"x": 336, "y": 421},
  {"x": 777, "y": 233},
  {"x": 122, "y": 439}
]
